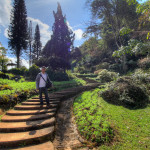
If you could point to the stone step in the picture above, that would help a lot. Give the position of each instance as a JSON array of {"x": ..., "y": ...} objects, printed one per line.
[
  {"x": 7, "y": 118},
  {"x": 51, "y": 99},
  {"x": 37, "y": 103},
  {"x": 44, "y": 146},
  {"x": 38, "y": 100},
  {"x": 25, "y": 138},
  {"x": 33, "y": 107},
  {"x": 10, "y": 127},
  {"x": 67, "y": 92},
  {"x": 29, "y": 112}
]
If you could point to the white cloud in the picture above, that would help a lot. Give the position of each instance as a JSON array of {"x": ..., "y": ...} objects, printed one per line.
[
  {"x": 78, "y": 34},
  {"x": 5, "y": 9},
  {"x": 44, "y": 29}
]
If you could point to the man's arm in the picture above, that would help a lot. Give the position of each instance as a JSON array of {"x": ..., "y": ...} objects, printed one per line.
[{"x": 37, "y": 81}]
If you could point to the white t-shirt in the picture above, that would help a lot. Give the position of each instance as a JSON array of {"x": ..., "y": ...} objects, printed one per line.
[{"x": 42, "y": 82}]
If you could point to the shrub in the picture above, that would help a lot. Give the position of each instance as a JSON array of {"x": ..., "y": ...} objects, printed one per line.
[
  {"x": 104, "y": 65},
  {"x": 132, "y": 64},
  {"x": 144, "y": 63},
  {"x": 33, "y": 71},
  {"x": 18, "y": 71},
  {"x": 5, "y": 87},
  {"x": 8, "y": 101},
  {"x": 141, "y": 77},
  {"x": 57, "y": 75},
  {"x": 98, "y": 71},
  {"x": 4, "y": 75},
  {"x": 80, "y": 70},
  {"x": 126, "y": 92},
  {"x": 107, "y": 76},
  {"x": 115, "y": 67}
]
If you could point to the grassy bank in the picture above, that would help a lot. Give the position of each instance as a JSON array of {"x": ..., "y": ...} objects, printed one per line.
[{"x": 130, "y": 127}]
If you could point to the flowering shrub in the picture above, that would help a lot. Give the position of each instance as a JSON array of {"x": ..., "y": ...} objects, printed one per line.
[
  {"x": 107, "y": 76},
  {"x": 144, "y": 63},
  {"x": 125, "y": 91}
]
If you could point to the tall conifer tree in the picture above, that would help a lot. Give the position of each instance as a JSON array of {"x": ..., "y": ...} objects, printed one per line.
[
  {"x": 62, "y": 39},
  {"x": 37, "y": 45},
  {"x": 18, "y": 29}
]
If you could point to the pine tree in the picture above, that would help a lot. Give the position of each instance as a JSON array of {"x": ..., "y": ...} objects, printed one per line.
[
  {"x": 37, "y": 45},
  {"x": 62, "y": 39},
  {"x": 30, "y": 43},
  {"x": 18, "y": 35}
]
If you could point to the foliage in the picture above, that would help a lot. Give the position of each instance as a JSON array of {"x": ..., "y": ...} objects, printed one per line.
[
  {"x": 3, "y": 59},
  {"x": 4, "y": 75},
  {"x": 144, "y": 63},
  {"x": 98, "y": 71},
  {"x": 81, "y": 70},
  {"x": 57, "y": 75},
  {"x": 17, "y": 33},
  {"x": 104, "y": 65},
  {"x": 142, "y": 9},
  {"x": 33, "y": 71},
  {"x": 5, "y": 87},
  {"x": 14, "y": 92},
  {"x": 134, "y": 47},
  {"x": 37, "y": 45},
  {"x": 141, "y": 77},
  {"x": 125, "y": 31},
  {"x": 92, "y": 52},
  {"x": 18, "y": 71},
  {"x": 126, "y": 92},
  {"x": 91, "y": 119},
  {"x": 107, "y": 76}
]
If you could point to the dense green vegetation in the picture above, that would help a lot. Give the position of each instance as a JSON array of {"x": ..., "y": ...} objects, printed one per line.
[
  {"x": 120, "y": 127},
  {"x": 13, "y": 92},
  {"x": 117, "y": 37},
  {"x": 92, "y": 121}
]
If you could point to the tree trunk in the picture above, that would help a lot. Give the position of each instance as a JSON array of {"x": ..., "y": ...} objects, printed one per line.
[
  {"x": 30, "y": 59},
  {"x": 18, "y": 60},
  {"x": 124, "y": 64}
]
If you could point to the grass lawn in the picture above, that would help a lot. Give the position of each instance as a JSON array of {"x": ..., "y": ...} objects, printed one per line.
[
  {"x": 16, "y": 86},
  {"x": 132, "y": 126}
]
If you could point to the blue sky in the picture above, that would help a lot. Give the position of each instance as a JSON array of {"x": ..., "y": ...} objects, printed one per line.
[{"x": 41, "y": 12}]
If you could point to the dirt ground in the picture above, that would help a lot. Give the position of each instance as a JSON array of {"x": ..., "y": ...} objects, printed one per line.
[{"x": 67, "y": 137}]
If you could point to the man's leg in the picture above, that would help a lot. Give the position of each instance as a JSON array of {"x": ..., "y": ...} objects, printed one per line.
[
  {"x": 46, "y": 96},
  {"x": 41, "y": 99}
]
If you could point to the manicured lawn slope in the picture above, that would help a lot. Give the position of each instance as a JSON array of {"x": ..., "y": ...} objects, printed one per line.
[{"x": 133, "y": 126}]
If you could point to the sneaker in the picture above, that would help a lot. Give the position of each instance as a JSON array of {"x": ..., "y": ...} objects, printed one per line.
[{"x": 48, "y": 105}]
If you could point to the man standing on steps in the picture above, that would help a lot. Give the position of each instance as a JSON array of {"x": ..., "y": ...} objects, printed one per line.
[{"x": 41, "y": 80}]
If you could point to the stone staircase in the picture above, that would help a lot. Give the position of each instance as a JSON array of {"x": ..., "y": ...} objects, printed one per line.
[{"x": 31, "y": 127}]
